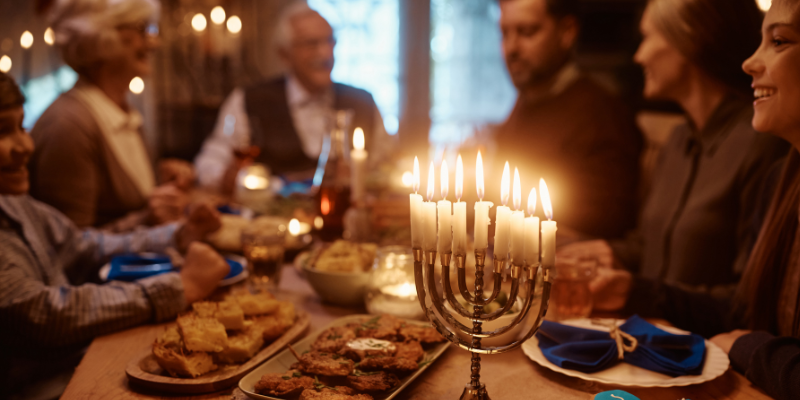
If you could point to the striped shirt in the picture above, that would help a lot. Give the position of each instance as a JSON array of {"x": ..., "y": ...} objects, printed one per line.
[{"x": 45, "y": 264}]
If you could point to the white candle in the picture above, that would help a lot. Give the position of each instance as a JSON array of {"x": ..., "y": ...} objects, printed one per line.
[
  {"x": 357, "y": 172},
  {"x": 502, "y": 219},
  {"x": 416, "y": 210},
  {"x": 429, "y": 216},
  {"x": 532, "y": 231},
  {"x": 482, "y": 220},
  {"x": 517, "y": 224},
  {"x": 548, "y": 229},
  {"x": 445, "y": 213},
  {"x": 459, "y": 213}
]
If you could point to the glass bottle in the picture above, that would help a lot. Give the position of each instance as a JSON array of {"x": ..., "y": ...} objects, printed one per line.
[{"x": 333, "y": 196}]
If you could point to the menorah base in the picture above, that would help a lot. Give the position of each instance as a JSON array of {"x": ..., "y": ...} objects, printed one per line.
[{"x": 471, "y": 393}]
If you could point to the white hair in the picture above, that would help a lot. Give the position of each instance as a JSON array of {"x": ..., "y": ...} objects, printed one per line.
[
  {"x": 283, "y": 30},
  {"x": 85, "y": 30}
]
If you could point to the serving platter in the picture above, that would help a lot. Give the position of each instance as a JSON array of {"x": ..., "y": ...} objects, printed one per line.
[
  {"x": 143, "y": 370},
  {"x": 624, "y": 374},
  {"x": 281, "y": 362}
]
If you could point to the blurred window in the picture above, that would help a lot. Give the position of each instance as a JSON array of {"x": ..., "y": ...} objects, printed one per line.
[{"x": 42, "y": 91}]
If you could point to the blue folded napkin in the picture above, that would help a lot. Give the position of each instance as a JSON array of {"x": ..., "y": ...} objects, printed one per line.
[
  {"x": 131, "y": 267},
  {"x": 589, "y": 350}
]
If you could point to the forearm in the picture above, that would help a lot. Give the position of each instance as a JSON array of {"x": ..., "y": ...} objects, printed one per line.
[
  {"x": 771, "y": 363},
  {"x": 103, "y": 245}
]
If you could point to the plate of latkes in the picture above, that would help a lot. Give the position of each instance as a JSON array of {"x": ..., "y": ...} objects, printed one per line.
[
  {"x": 211, "y": 347},
  {"x": 358, "y": 357}
]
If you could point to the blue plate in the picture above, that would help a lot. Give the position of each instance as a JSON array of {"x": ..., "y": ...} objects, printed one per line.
[{"x": 131, "y": 267}]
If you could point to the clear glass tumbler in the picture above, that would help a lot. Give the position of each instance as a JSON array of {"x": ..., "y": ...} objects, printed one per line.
[
  {"x": 264, "y": 249},
  {"x": 570, "y": 296},
  {"x": 391, "y": 288}
]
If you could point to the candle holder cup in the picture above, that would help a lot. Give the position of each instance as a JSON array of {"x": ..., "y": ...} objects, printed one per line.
[{"x": 522, "y": 277}]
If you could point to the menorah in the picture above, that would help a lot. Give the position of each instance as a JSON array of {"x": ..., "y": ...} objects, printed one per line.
[{"x": 426, "y": 285}]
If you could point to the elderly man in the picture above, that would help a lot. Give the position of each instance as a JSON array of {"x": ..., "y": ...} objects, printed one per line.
[
  {"x": 564, "y": 127},
  {"x": 288, "y": 117}
]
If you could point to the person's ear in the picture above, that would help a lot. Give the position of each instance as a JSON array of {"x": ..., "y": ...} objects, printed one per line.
[{"x": 569, "y": 29}]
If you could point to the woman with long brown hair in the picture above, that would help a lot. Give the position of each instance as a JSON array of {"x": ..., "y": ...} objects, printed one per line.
[{"x": 768, "y": 351}]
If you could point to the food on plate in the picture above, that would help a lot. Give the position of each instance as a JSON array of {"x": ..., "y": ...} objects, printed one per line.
[
  {"x": 228, "y": 313},
  {"x": 344, "y": 256},
  {"x": 229, "y": 236},
  {"x": 199, "y": 341},
  {"x": 422, "y": 334},
  {"x": 352, "y": 355}
]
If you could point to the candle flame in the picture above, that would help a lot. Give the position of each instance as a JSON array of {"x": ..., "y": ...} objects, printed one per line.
[
  {"x": 415, "y": 182},
  {"x": 294, "y": 227},
  {"x": 444, "y": 183},
  {"x": 459, "y": 178},
  {"x": 325, "y": 205},
  {"x": 430, "y": 182},
  {"x": 547, "y": 207},
  {"x": 504, "y": 185},
  {"x": 532, "y": 202},
  {"x": 479, "y": 176},
  {"x": 358, "y": 139},
  {"x": 516, "y": 190}
]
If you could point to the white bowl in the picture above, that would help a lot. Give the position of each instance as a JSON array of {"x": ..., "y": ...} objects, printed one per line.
[{"x": 340, "y": 288}]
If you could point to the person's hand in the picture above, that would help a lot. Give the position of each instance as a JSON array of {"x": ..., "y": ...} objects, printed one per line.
[
  {"x": 203, "y": 219},
  {"x": 202, "y": 270},
  {"x": 610, "y": 289},
  {"x": 725, "y": 340},
  {"x": 598, "y": 249},
  {"x": 177, "y": 172},
  {"x": 166, "y": 204}
]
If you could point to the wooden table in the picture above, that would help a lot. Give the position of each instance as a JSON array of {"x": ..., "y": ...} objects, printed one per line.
[{"x": 101, "y": 374}]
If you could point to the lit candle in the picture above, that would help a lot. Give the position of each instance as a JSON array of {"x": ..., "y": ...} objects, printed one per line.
[
  {"x": 416, "y": 210},
  {"x": 482, "y": 220},
  {"x": 429, "y": 217},
  {"x": 359, "y": 158},
  {"x": 548, "y": 228},
  {"x": 445, "y": 210},
  {"x": 532, "y": 231},
  {"x": 460, "y": 213},
  {"x": 502, "y": 219},
  {"x": 517, "y": 224}
]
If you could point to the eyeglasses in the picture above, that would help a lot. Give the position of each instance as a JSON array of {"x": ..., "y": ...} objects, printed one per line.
[
  {"x": 312, "y": 44},
  {"x": 144, "y": 29}
]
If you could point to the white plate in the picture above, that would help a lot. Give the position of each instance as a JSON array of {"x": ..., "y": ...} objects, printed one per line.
[
  {"x": 280, "y": 363},
  {"x": 624, "y": 374},
  {"x": 105, "y": 269}
]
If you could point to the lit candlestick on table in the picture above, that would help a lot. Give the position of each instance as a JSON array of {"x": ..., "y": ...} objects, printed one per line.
[
  {"x": 548, "y": 228},
  {"x": 445, "y": 211},
  {"x": 416, "y": 210},
  {"x": 429, "y": 216},
  {"x": 503, "y": 219},
  {"x": 459, "y": 213},
  {"x": 532, "y": 232},
  {"x": 517, "y": 224},
  {"x": 359, "y": 158},
  {"x": 482, "y": 220}
]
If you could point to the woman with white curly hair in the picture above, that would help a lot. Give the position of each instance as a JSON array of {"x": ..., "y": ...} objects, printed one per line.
[{"x": 91, "y": 162}]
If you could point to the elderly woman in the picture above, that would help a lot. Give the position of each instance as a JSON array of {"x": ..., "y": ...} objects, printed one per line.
[
  {"x": 91, "y": 162},
  {"x": 768, "y": 354},
  {"x": 700, "y": 219}
]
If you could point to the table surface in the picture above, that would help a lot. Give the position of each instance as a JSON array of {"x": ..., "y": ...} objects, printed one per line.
[{"x": 101, "y": 373}]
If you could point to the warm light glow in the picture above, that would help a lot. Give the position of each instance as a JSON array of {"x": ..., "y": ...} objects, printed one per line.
[
  {"x": 430, "y": 182},
  {"x": 318, "y": 222},
  {"x": 479, "y": 176},
  {"x": 358, "y": 139},
  {"x": 26, "y": 40},
  {"x": 403, "y": 290},
  {"x": 459, "y": 178},
  {"x": 547, "y": 207},
  {"x": 49, "y": 36},
  {"x": 764, "y": 5},
  {"x": 532, "y": 202},
  {"x": 408, "y": 179},
  {"x": 294, "y": 227},
  {"x": 505, "y": 182},
  {"x": 218, "y": 15},
  {"x": 137, "y": 85},
  {"x": 199, "y": 22},
  {"x": 415, "y": 183},
  {"x": 325, "y": 205},
  {"x": 234, "y": 24},
  {"x": 5, "y": 64},
  {"x": 445, "y": 182},
  {"x": 254, "y": 182},
  {"x": 517, "y": 190}
]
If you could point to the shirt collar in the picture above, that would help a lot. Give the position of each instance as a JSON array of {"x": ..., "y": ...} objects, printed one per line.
[
  {"x": 113, "y": 114},
  {"x": 566, "y": 76},
  {"x": 720, "y": 122},
  {"x": 297, "y": 95}
]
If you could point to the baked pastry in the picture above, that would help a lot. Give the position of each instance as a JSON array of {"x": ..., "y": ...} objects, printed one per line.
[
  {"x": 242, "y": 346},
  {"x": 273, "y": 326},
  {"x": 202, "y": 334},
  {"x": 169, "y": 354},
  {"x": 256, "y": 304},
  {"x": 228, "y": 313}
]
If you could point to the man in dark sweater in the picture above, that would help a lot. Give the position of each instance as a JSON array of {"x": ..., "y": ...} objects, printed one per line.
[
  {"x": 287, "y": 117},
  {"x": 564, "y": 127}
]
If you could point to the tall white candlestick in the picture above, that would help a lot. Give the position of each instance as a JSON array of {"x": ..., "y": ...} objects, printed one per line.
[
  {"x": 416, "y": 210},
  {"x": 548, "y": 229},
  {"x": 482, "y": 220},
  {"x": 459, "y": 213},
  {"x": 531, "y": 240},
  {"x": 517, "y": 229},
  {"x": 358, "y": 170},
  {"x": 502, "y": 220},
  {"x": 445, "y": 214},
  {"x": 429, "y": 216}
]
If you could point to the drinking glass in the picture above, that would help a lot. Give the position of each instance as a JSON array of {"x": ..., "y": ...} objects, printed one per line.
[
  {"x": 264, "y": 248},
  {"x": 570, "y": 296},
  {"x": 391, "y": 288}
]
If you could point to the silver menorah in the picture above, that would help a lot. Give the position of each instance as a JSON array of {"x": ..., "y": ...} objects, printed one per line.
[{"x": 426, "y": 285}]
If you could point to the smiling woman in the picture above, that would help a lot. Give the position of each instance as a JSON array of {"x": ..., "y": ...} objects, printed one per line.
[{"x": 15, "y": 144}]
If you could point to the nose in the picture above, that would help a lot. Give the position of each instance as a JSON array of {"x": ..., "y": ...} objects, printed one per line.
[
  {"x": 754, "y": 66},
  {"x": 23, "y": 146},
  {"x": 638, "y": 57}
]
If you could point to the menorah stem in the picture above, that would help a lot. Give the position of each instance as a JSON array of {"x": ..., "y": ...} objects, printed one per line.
[{"x": 477, "y": 327}]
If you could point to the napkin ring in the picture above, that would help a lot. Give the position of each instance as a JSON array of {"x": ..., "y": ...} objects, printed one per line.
[{"x": 620, "y": 336}]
